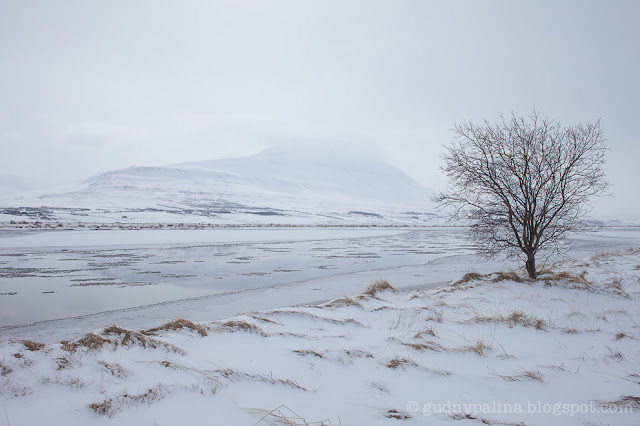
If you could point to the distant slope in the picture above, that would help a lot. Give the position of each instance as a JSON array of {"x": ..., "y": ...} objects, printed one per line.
[{"x": 279, "y": 185}]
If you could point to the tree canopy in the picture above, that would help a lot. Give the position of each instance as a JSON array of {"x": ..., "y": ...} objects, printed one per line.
[{"x": 523, "y": 183}]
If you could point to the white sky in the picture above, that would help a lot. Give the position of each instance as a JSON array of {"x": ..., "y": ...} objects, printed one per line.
[{"x": 88, "y": 86}]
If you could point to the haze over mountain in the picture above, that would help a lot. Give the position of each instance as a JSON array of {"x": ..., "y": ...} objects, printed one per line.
[{"x": 284, "y": 185}]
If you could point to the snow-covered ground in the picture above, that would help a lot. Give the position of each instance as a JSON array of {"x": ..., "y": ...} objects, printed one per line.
[{"x": 490, "y": 348}]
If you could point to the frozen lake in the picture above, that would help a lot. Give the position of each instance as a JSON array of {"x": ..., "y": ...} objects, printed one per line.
[
  {"x": 137, "y": 277},
  {"x": 54, "y": 275}
]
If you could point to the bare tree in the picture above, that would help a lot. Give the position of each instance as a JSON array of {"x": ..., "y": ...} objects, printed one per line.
[{"x": 523, "y": 183}]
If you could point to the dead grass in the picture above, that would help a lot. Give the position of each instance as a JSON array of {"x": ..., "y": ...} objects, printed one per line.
[
  {"x": 625, "y": 404},
  {"x": 63, "y": 362},
  {"x": 344, "y": 301},
  {"x": 469, "y": 276},
  {"x": 479, "y": 347},
  {"x": 32, "y": 346},
  {"x": 264, "y": 319},
  {"x": 533, "y": 375},
  {"x": 378, "y": 286},
  {"x": 525, "y": 375},
  {"x": 571, "y": 280},
  {"x": 398, "y": 415},
  {"x": 131, "y": 338},
  {"x": 178, "y": 324},
  {"x": 506, "y": 276},
  {"x": 308, "y": 352},
  {"x": 399, "y": 361},
  {"x": 283, "y": 415},
  {"x": 303, "y": 314},
  {"x": 620, "y": 335},
  {"x": 430, "y": 346},
  {"x": 235, "y": 375},
  {"x": 614, "y": 355},
  {"x": 115, "y": 369},
  {"x": 357, "y": 353},
  {"x": 5, "y": 370},
  {"x": 435, "y": 315},
  {"x": 425, "y": 332},
  {"x": 90, "y": 340},
  {"x": 512, "y": 319},
  {"x": 240, "y": 325},
  {"x": 109, "y": 406},
  {"x": 617, "y": 286}
]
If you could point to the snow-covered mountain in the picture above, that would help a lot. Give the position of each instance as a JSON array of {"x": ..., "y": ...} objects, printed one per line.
[{"x": 279, "y": 185}]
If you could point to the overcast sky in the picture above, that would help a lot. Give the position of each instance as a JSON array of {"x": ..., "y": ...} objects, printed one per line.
[{"x": 90, "y": 86}]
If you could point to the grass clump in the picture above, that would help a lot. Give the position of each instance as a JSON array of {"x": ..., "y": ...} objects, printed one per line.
[
  {"x": 378, "y": 286},
  {"x": 399, "y": 362},
  {"x": 5, "y": 370},
  {"x": 32, "y": 346},
  {"x": 344, "y": 301},
  {"x": 506, "y": 276},
  {"x": 479, "y": 348},
  {"x": 514, "y": 318},
  {"x": 307, "y": 352},
  {"x": 134, "y": 338},
  {"x": 90, "y": 340},
  {"x": 431, "y": 346},
  {"x": 469, "y": 276},
  {"x": 425, "y": 332},
  {"x": 240, "y": 325},
  {"x": 178, "y": 324}
]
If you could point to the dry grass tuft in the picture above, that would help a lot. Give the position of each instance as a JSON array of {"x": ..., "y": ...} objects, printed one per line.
[
  {"x": 430, "y": 346},
  {"x": 264, "y": 319},
  {"x": 5, "y": 370},
  {"x": 514, "y": 318},
  {"x": 575, "y": 281},
  {"x": 533, "y": 375},
  {"x": 32, "y": 346},
  {"x": 469, "y": 276},
  {"x": 63, "y": 362},
  {"x": 178, "y": 324},
  {"x": 308, "y": 352},
  {"x": 344, "y": 301},
  {"x": 398, "y": 415},
  {"x": 235, "y": 375},
  {"x": 303, "y": 314},
  {"x": 104, "y": 408},
  {"x": 240, "y": 325},
  {"x": 621, "y": 335},
  {"x": 399, "y": 361},
  {"x": 435, "y": 315},
  {"x": 378, "y": 286},
  {"x": 283, "y": 415},
  {"x": 115, "y": 369},
  {"x": 525, "y": 375},
  {"x": 357, "y": 353},
  {"x": 135, "y": 338},
  {"x": 480, "y": 348},
  {"x": 425, "y": 332},
  {"x": 506, "y": 276},
  {"x": 90, "y": 340},
  {"x": 618, "y": 287},
  {"x": 626, "y": 404},
  {"x": 109, "y": 406}
]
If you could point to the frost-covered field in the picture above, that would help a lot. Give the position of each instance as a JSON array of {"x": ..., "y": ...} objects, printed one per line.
[{"x": 487, "y": 347}]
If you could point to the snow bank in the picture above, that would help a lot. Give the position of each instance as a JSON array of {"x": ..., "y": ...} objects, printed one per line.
[{"x": 494, "y": 348}]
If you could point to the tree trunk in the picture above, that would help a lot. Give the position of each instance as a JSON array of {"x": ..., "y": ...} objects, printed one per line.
[{"x": 531, "y": 266}]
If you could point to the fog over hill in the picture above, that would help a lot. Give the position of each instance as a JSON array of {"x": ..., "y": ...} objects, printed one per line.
[{"x": 283, "y": 185}]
